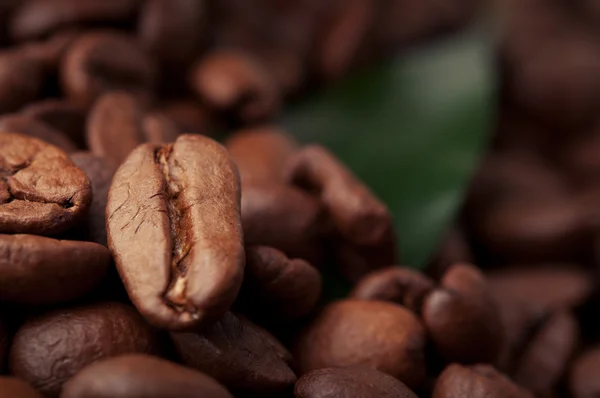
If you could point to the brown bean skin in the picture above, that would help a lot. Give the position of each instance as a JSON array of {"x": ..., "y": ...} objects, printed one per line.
[
  {"x": 186, "y": 215},
  {"x": 136, "y": 375},
  {"x": 11, "y": 387},
  {"x": 378, "y": 334},
  {"x": 49, "y": 349},
  {"x": 243, "y": 357},
  {"x": 350, "y": 382},
  {"x": 36, "y": 270},
  {"x": 457, "y": 381},
  {"x": 15, "y": 123},
  {"x": 41, "y": 190},
  {"x": 583, "y": 379}
]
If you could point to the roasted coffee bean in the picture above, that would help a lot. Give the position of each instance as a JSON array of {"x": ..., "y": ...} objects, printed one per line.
[
  {"x": 22, "y": 80},
  {"x": 37, "y": 270},
  {"x": 457, "y": 381},
  {"x": 100, "y": 173},
  {"x": 11, "y": 387},
  {"x": 26, "y": 125},
  {"x": 545, "y": 360},
  {"x": 62, "y": 116},
  {"x": 285, "y": 218},
  {"x": 41, "y": 189},
  {"x": 137, "y": 375},
  {"x": 381, "y": 335},
  {"x": 104, "y": 61},
  {"x": 261, "y": 153},
  {"x": 583, "y": 378},
  {"x": 396, "y": 284},
  {"x": 278, "y": 288},
  {"x": 189, "y": 116},
  {"x": 181, "y": 203},
  {"x": 51, "y": 348},
  {"x": 235, "y": 83},
  {"x": 350, "y": 382},
  {"x": 243, "y": 357},
  {"x": 38, "y": 18},
  {"x": 462, "y": 318}
]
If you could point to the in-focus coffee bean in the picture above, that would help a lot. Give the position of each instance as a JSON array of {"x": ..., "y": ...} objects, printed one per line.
[{"x": 181, "y": 204}]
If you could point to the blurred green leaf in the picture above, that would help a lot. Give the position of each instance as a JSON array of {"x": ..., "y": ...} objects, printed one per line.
[{"x": 413, "y": 129}]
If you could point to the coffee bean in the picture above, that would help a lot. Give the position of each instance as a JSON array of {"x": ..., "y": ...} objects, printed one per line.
[
  {"x": 15, "y": 123},
  {"x": 100, "y": 173},
  {"x": 457, "y": 381},
  {"x": 546, "y": 358},
  {"x": 11, "y": 387},
  {"x": 396, "y": 284},
  {"x": 245, "y": 358},
  {"x": 462, "y": 318},
  {"x": 189, "y": 116},
  {"x": 103, "y": 61},
  {"x": 349, "y": 382},
  {"x": 137, "y": 375},
  {"x": 51, "y": 348},
  {"x": 41, "y": 190},
  {"x": 62, "y": 116},
  {"x": 181, "y": 203},
  {"x": 235, "y": 83},
  {"x": 583, "y": 379},
  {"x": 36, "y": 270},
  {"x": 22, "y": 79},
  {"x": 38, "y": 18},
  {"x": 276, "y": 287},
  {"x": 381, "y": 335}
]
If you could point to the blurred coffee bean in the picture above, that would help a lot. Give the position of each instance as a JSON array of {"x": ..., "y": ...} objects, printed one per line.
[
  {"x": 102, "y": 61},
  {"x": 243, "y": 357},
  {"x": 26, "y": 125},
  {"x": 277, "y": 288},
  {"x": 396, "y": 284},
  {"x": 381, "y": 335},
  {"x": 38, "y": 18},
  {"x": 36, "y": 270},
  {"x": 137, "y": 375},
  {"x": 233, "y": 82},
  {"x": 22, "y": 80},
  {"x": 51, "y": 348},
  {"x": 190, "y": 117},
  {"x": 458, "y": 381},
  {"x": 349, "y": 382},
  {"x": 41, "y": 189},
  {"x": 62, "y": 116},
  {"x": 583, "y": 378},
  {"x": 11, "y": 387},
  {"x": 462, "y": 318}
]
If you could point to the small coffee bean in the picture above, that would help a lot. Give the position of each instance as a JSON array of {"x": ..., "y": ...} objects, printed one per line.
[
  {"x": 545, "y": 359},
  {"x": 261, "y": 153},
  {"x": 350, "y": 382},
  {"x": 278, "y": 288},
  {"x": 243, "y": 357},
  {"x": 38, "y": 18},
  {"x": 22, "y": 80},
  {"x": 36, "y": 270},
  {"x": 462, "y": 318},
  {"x": 382, "y": 335},
  {"x": 180, "y": 203},
  {"x": 583, "y": 379},
  {"x": 396, "y": 284},
  {"x": 189, "y": 116},
  {"x": 11, "y": 387},
  {"x": 62, "y": 116},
  {"x": 15, "y": 123},
  {"x": 104, "y": 61},
  {"x": 136, "y": 375},
  {"x": 457, "y": 381},
  {"x": 235, "y": 83},
  {"x": 51, "y": 348},
  {"x": 41, "y": 189},
  {"x": 100, "y": 173}
]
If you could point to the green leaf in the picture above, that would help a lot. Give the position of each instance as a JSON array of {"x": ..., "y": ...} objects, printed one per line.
[{"x": 413, "y": 129}]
